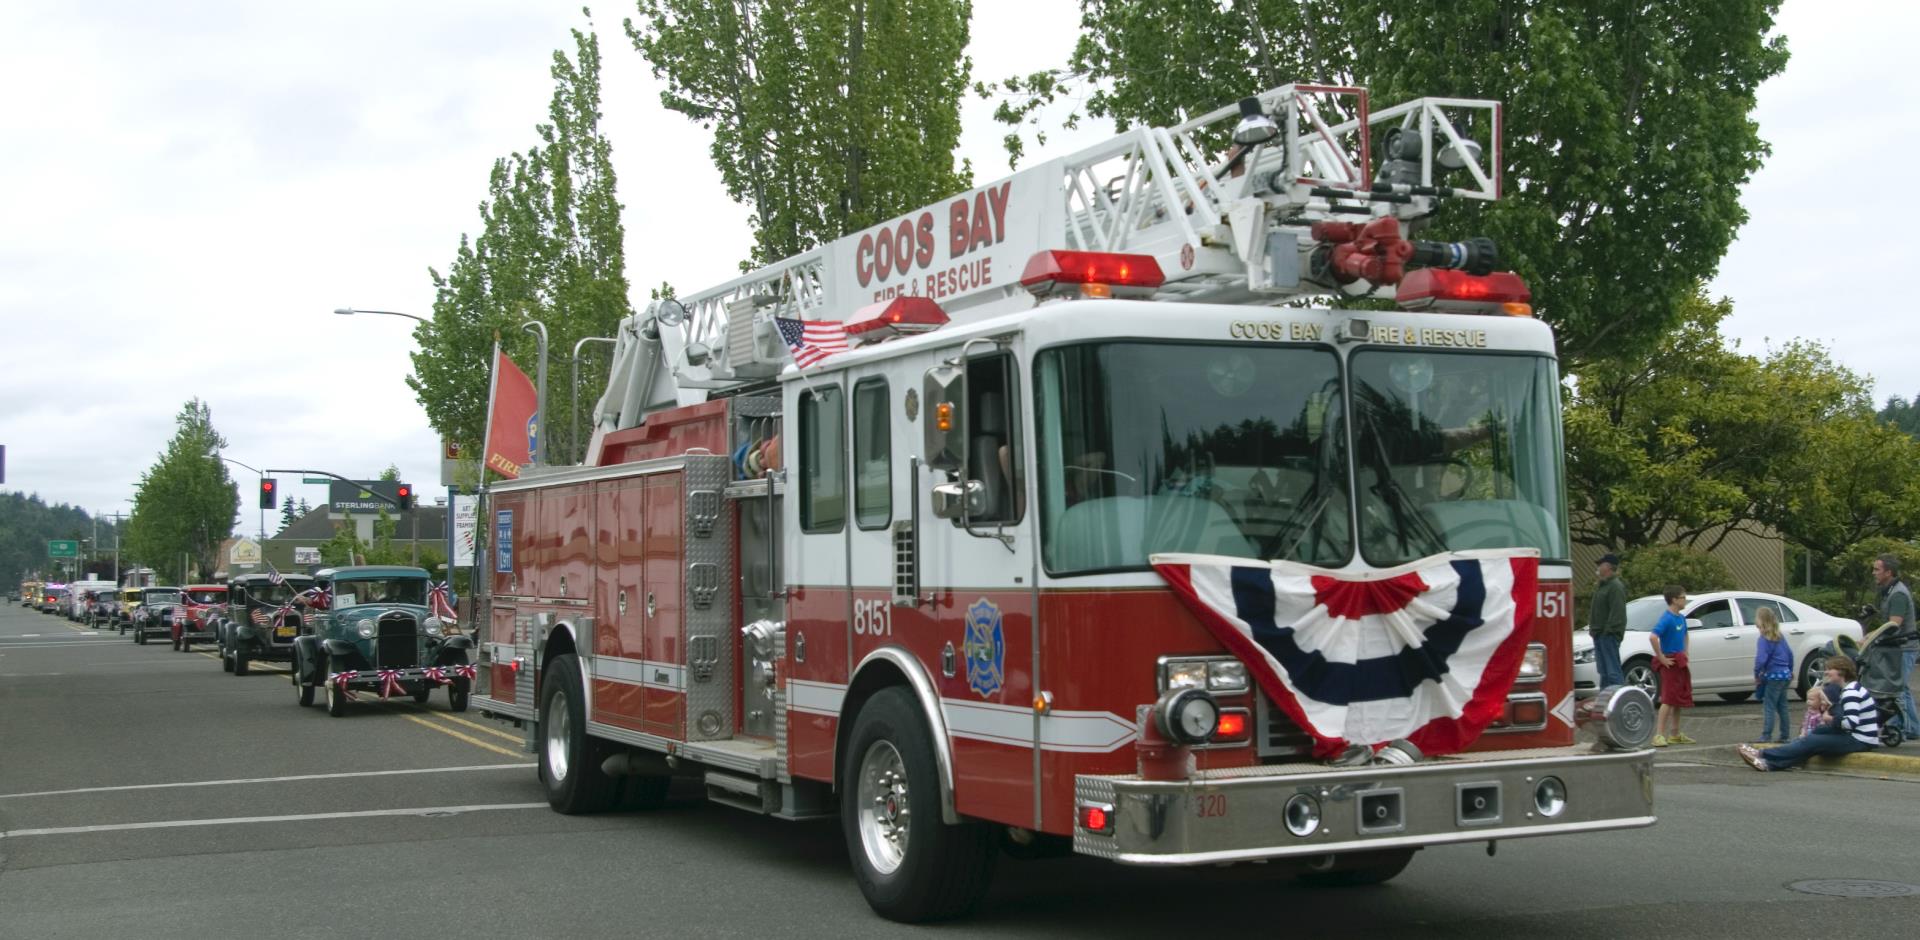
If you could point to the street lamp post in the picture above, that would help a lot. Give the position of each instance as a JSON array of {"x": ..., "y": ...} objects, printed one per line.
[
  {"x": 263, "y": 509},
  {"x": 413, "y": 513},
  {"x": 350, "y": 311}
]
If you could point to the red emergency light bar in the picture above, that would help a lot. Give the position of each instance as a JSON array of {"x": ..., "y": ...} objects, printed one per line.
[
  {"x": 896, "y": 317},
  {"x": 1454, "y": 291},
  {"x": 1091, "y": 274}
]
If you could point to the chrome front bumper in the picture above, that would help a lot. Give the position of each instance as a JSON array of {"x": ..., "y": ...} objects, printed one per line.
[{"x": 1239, "y": 814}]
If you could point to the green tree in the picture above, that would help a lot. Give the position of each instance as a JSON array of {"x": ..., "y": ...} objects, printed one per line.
[
  {"x": 1853, "y": 482},
  {"x": 1627, "y": 128},
  {"x": 1903, "y": 414},
  {"x": 827, "y": 115},
  {"x": 288, "y": 514},
  {"x": 1696, "y": 439},
  {"x": 1649, "y": 570},
  {"x": 344, "y": 548},
  {"x": 549, "y": 249},
  {"x": 185, "y": 504},
  {"x": 28, "y": 522}
]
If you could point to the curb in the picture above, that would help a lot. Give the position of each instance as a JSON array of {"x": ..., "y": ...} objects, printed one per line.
[{"x": 1874, "y": 762}]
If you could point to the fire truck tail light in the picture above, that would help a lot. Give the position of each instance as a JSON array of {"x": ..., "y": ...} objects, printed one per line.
[
  {"x": 1096, "y": 817},
  {"x": 1091, "y": 274},
  {"x": 1528, "y": 713},
  {"x": 1459, "y": 292},
  {"x": 896, "y": 317}
]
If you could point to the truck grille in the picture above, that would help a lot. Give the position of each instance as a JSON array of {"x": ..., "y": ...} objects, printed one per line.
[
  {"x": 397, "y": 646},
  {"x": 1278, "y": 736}
]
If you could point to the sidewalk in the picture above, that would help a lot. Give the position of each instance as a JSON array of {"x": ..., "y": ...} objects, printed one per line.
[{"x": 1718, "y": 728}]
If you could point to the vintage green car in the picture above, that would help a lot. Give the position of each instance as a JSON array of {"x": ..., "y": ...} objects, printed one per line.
[{"x": 369, "y": 629}]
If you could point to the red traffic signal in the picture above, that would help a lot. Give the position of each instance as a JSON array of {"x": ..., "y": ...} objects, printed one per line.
[
  {"x": 269, "y": 493},
  {"x": 405, "y": 495}
]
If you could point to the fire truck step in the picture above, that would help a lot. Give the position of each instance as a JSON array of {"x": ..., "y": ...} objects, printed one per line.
[{"x": 758, "y": 796}]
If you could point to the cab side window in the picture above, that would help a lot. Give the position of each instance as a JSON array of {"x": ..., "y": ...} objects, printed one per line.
[
  {"x": 872, "y": 455},
  {"x": 993, "y": 437},
  {"x": 1713, "y": 615},
  {"x": 823, "y": 460},
  {"x": 1750, "y": 610}
]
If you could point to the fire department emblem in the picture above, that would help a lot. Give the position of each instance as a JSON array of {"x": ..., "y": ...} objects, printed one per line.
[{"x": 986, "y": 648}]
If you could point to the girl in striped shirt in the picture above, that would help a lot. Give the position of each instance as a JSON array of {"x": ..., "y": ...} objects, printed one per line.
[{"x": 1852, "y": 725}]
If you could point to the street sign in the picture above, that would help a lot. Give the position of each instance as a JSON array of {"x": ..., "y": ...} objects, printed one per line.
[
  {"x": 322, "y": 481},
  {"x": 63, "y": 548}
]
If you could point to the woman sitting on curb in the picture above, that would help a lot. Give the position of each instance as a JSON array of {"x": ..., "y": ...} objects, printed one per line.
[{"x": 1852, "y": 725}]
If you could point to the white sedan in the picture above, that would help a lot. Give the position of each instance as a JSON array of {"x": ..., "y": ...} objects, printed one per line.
[{"x": 1721, "y": 640}]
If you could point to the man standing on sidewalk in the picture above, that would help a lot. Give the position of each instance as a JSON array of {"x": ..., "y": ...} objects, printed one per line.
[
  {"x": 1896, "y": 604},
  {"x": 1607, "y": 622}
]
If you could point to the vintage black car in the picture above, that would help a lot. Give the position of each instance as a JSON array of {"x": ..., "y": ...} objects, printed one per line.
[
  {"x": 261, "y": 620},
  {"x": 154, "y": 616},
  {"x": 371, "y": 632},
  {"x": 102, "y": 608}
]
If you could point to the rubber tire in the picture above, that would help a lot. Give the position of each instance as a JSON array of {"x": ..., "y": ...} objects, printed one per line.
[
  {"x": 1800, "y": 683},
  {"x": 303, "y": 692},
  {"x": 239, "y": 661},
  {"x": 1644, "y": 662},
  {"x": 947, "y": 869},
  {"x": 459, "y": 693},
  {"x": 140, "y": 636},
  {"x": 226, "y": 659},
  {"x": 1735, "y": 696},
  {"x": 586, "y": 788},
  {"x": 336, "y": 702},
  {"x": 423, "y": 694},
  {"x": 1379, "y": 870}
]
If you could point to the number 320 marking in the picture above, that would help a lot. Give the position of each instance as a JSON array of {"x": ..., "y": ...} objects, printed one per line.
[{"x": 1212, "y": 804}]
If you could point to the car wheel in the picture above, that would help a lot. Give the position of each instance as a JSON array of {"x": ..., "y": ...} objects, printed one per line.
[
  {"x": 303, "y": 692},
  {"x": 239, "y": 661},
  {"x": 569, "y": 760},
  {"x": 459, "y": 692},
  {"x": 226, "y": 659},
  {"x": 423, "y": 693},
  {"x": 1735, "y": 696},
  {"x": 1640, "y": 672},
  {"x": 1365, "y": 868},
  {"x": 1813, "y": 671},
  {"x": 911, "y": 866},
  {"x": 336, "y": 701}
]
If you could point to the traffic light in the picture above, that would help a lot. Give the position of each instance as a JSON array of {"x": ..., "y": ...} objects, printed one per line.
[
  {"x": 405, "y": 495},
  {"x": 268, "y": 493}
]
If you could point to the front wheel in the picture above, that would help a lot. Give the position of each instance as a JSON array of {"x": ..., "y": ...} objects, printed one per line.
[
  {"x": 1367, "y": 868},
  {"x": 1640, "y": 672},
  {"x": 459, "y": 691},
  {"x": 911, "y": 866},
  {"x": 239, "y": 660},
  {"x": 226, "y": 659},
  {"x": 336, "y": 701},
  {"x": 569, "y": 760},
  {"x": 1813, "y": 671},
  {"x": 140, "y": 636}
]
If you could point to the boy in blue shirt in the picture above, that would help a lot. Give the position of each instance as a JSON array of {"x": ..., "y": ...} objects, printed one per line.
[{"x": 1670, "y": 664}]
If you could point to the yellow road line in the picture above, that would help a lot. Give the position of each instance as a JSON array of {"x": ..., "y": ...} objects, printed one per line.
[
  {"x": 479, "y": 727},
  {"x": 476, "y": 742}
]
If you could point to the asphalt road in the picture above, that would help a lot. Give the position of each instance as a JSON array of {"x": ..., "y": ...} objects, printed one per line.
[{"x": 147, "y": 793}]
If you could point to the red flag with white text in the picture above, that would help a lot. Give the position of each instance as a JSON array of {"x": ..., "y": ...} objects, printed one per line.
[{"x": 512, "y": 407}]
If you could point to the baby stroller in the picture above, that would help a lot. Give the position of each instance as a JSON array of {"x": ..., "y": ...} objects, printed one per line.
[{"x": 1878, "y": 658}]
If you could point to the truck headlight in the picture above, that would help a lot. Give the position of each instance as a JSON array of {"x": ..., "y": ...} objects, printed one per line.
[
  {"x": 1214, "y": 673},
  {"x": 366, "y": 628},
  {"x": 1184, "y": 674},
  {"x": 432, "y": 626},
  {"x": 1533, "y": 665}
]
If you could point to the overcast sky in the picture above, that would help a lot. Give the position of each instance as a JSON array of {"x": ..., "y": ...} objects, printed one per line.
[{"x": 191, "y": 188}]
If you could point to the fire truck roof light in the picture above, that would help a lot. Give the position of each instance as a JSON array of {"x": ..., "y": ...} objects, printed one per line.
[
  {"x": 896, "y": 316},
  {"x": 1460, "y": 292},
  {"x": 1049, "y": 271}
]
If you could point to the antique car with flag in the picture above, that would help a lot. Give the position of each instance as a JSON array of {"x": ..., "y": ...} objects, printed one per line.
[
  {"x": 128, "y": 602},
  {"x": 101, "y": 608},
  {"x": 154, "y": 616},
  {"x": 261, "y": 620},
  {"x": 201, "y": 604},
  {"x": 372, "y": 631}
]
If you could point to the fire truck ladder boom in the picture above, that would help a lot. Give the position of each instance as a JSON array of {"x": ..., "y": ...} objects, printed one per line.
[{"x": 1224, "y": 202}]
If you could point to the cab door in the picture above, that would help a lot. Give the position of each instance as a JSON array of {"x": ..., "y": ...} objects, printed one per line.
[{"x": 1720, "y": 649}]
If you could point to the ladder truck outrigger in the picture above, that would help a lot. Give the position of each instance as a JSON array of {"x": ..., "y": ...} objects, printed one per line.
[{"x": 973, "y": 583}]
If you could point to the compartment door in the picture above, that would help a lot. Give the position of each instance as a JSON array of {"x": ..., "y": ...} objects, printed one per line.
[
  {"x": 619, "y": 641},
  {"x": 663, "y": 559}
]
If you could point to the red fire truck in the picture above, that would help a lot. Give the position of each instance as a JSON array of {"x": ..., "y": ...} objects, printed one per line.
[{"x": 883, "y": 530}]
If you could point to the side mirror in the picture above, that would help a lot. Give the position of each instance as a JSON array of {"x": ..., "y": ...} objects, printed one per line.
[
  {"x": 949, "y": 498},
  {"x": 944, "y": 400}
]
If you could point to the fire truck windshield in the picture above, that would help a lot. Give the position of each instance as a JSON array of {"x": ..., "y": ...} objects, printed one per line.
[
  {"x": 1158, "y": 447},
  {"x": 1456, "y": 451}
]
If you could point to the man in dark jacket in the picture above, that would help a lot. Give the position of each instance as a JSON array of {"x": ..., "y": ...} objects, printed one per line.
[
  {"x": 1896, "y": 604},
  {"x": 1607, "y": 622}
]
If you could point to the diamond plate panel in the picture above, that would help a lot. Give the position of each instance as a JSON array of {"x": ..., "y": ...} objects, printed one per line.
[
  {"x": 1093, "y": 790},
  {"x": 710, "y": 626}
]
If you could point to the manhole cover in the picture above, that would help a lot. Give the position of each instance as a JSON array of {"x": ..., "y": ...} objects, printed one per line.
[{"x": 1855, "y": 888}]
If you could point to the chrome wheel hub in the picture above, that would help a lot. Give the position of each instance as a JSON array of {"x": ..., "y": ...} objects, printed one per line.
[
  {"x": 559, "y": 725},
  {"x": 884, "y": 807}
]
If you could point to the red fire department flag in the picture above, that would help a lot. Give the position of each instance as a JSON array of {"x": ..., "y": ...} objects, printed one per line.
[
  {"x": 1426, "y": 651},
  {"x": 512, "y": 407}
]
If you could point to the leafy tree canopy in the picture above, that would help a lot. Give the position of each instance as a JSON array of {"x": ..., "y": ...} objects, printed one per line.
[{"x": 185, "y": 505}]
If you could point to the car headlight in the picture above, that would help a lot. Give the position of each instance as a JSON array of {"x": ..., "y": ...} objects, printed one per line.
[
  {"x": 366, "y": 627},
  {"x": 1214, "y": 674},
  {"x": 1583, "y": 656},
  {"x": 433, "y": 626},
  {"x": 1533, "y": 665}
]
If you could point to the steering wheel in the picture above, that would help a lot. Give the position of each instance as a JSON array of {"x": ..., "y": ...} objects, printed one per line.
[{"x": 1469, "y": 476}]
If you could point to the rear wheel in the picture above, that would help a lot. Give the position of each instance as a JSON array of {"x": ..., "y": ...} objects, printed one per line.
[
  {"x": 140, "y": 636},
  {"x": 1640, "y": 672},
  {"x": 1813, "y": 671},
  {"x": 1366, "y": 868},
  {"x": 303, "y": 692},
  {"x": 569, "y": 759},
  {"x": 226, "y": 659},
  {"x": 911, "y": 866}
]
